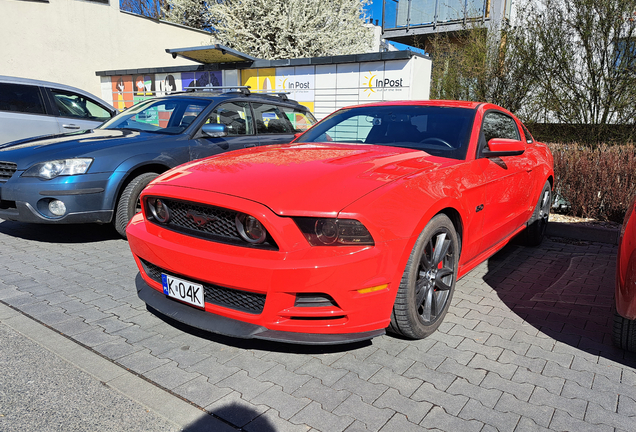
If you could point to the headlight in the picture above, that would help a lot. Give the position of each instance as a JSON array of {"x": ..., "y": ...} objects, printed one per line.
[
  {"x": 336, "y": 232},
  {"x": 62, "y": 167},
  {"x": 250, "y": 229}
]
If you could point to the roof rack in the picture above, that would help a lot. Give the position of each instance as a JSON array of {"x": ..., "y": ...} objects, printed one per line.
[
  {"x": 242, "y": 89},
  {"x": 282, "y": 95}
]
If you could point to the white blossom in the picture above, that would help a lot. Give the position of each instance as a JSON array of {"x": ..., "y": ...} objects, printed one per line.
[{"x": 277, "y": 29}]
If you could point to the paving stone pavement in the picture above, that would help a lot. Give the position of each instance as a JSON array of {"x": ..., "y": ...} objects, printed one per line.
[{"x": 526, "y": 345}]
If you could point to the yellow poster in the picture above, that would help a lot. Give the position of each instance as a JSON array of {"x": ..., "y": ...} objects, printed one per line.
[
  {"x": 249, "y": 77},
  {"x": 259, "y": 79}
]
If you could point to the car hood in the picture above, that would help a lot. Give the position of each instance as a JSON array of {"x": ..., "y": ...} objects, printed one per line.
[
  {"x": 75, "y": 144},
  {"x": 302, "y": 179}
]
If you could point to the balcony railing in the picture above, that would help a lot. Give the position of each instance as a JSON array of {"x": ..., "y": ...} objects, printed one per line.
[{"x": 399, "y": 14}]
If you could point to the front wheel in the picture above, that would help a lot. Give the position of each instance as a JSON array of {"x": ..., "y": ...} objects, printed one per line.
[
  {"x": 624, "y": 333},
  {"x": 428, "y": 283},
  {"x": 129, "y": 204}
]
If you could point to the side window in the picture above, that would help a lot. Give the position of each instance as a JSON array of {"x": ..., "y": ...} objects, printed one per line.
[
  {"x": 235, "y": 115},
  {"x": 270, "y": 119},
  {"x": 21, "y": 98},
  {"x": 499, "y": 125},
  {"x": 300, "y": 120},
  {"x": 78, "y": 106}
]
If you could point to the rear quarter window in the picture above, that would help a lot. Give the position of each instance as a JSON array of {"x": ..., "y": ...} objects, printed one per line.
[{"x": 21, "y": 98}]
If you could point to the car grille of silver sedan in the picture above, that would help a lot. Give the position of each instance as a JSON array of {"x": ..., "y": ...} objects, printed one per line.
[
  {"x": 6, "y": 170},
  {"x": 244, "y": 301}
]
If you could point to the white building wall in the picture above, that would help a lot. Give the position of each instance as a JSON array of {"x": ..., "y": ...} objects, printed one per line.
[{"x": 67, "y": 41}]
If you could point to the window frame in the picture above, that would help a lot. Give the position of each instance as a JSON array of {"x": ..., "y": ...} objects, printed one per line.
[
  {"x": 482, "y": 143},
  {"x": 44, "y": 100},
  {"x": 278, "y": 111},
  {"x": 248, "y": 108},
  {"x": 50, "y": 93}
]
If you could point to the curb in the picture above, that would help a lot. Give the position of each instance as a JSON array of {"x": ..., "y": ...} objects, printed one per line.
[
  {"x": 175, "y": 410},
  {"x": 584, "y": 233}
]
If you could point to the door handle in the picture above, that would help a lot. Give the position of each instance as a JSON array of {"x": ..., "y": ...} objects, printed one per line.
[
  {"x": 70, "y": 126},
  {"x": 249, "y": 145}
]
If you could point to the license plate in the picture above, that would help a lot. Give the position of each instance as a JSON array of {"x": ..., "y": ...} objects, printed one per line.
[{"x": 183, "y": 290}]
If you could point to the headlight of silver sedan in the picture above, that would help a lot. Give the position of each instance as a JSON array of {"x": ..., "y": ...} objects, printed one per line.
[{"x": 62, "y": 167}]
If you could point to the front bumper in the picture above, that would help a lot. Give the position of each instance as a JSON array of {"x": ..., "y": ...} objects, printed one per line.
[
  {"x": 26, "y": 199},
  {"x": 282, "y": 277},
  {"x": 231, "y": 327}
]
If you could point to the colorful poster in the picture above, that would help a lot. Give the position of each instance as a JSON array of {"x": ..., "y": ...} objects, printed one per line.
[
  {"x": 122, "y": 88},
  {"x": 187, "y": 80},
  {"x": 143, "y": 87},
  {"x": 266, "y": 79},
  {"x": 259, "y": 79},
  {"x": 168, "y": 83}
]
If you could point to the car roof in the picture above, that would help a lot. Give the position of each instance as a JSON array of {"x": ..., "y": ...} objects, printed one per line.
[
  {"x": 58, "y": 86},
  {"x": 436, "y": 102}
]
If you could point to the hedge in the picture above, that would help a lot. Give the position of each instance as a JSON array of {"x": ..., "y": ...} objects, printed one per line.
[{"x": 595, "y": 182}]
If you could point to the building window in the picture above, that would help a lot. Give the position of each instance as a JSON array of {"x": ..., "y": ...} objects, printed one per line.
[{"x": 625, "y": 54}]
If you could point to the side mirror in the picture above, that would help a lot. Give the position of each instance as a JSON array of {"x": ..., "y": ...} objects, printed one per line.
[
  {"x": 498, "y": 147},
  {"x": 214, "y": 130}
]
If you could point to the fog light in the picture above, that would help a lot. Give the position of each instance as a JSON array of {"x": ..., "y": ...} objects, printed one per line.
[
  {"x": 57, "y": 207},
  {"x": 159, "y": 210},
  {"x": 250, "y": 228}
]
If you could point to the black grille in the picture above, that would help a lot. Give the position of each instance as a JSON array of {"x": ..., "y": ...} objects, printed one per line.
[
  {"x": 6, "y": 170},
  {"x": 243, "y": 301},
  {"x": 189, "y": 218}
]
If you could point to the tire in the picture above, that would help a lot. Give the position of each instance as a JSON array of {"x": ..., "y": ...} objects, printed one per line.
[
  {"x": 428, "y": 283},
  {"x": 128, "y": 203},
  {"x": 538, "y": 223},
  {"x": 624, "y": 333}
]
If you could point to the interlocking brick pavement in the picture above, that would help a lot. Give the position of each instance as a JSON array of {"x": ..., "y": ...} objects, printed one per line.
[{"x": 526, "y": 345}]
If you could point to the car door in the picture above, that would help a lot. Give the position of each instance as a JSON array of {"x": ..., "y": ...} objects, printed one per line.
[
  {"x": 273, "y": 125},
  {"x": 508, "y": 182},
  {"x": 237, "y": 116},
  {"x": 75, "y": 111}
]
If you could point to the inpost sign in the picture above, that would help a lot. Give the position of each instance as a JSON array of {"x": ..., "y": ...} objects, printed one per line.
[{"x": 325, "y": 88}]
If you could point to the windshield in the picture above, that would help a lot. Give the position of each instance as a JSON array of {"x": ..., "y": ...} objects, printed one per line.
[
  {"x": 440, "y": 131},
  {"x": 164, "y": 116}
]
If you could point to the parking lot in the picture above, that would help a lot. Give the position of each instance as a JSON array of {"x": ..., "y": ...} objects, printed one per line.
[{"x": 526, "y": 345}]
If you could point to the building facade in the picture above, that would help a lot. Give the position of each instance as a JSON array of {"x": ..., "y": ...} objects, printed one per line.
[{"x": 66, "y": 41}]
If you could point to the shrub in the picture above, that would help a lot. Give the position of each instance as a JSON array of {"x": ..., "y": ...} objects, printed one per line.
[{"x": 597, "y": 182}]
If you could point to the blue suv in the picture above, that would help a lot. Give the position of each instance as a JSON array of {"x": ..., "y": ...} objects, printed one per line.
[{"x": 96, "y": 176}]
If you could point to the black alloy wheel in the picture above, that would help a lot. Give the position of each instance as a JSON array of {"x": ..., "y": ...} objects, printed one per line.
[{"x": 428, "y": 283}]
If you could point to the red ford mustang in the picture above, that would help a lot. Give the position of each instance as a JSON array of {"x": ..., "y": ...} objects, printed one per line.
[
  {"x": 624, "y": 332},
  {"x": 363, "y": 223}
]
